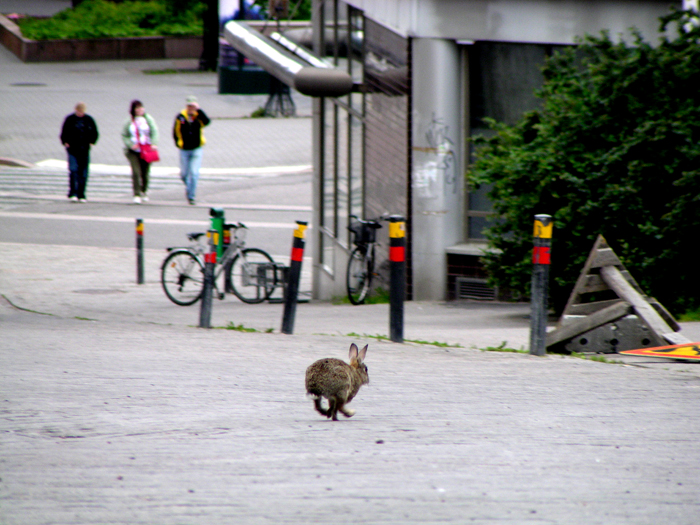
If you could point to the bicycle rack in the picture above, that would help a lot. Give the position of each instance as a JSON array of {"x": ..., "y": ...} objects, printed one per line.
[{"x": 276, "y": 274}]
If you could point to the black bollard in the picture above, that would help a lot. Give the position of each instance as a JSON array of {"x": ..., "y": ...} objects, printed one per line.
[
  {"x": 292, "y": 289},
  {"x": 208, "y": 285},
  {"x": 397, "y": 263},
  {"x": 139, "y": 251},
  {"x": 540, "y": 283}
]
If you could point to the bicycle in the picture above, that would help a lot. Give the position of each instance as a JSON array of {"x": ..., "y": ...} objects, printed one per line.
[
  {"x": 249, "y": 273},
  {"x": 358, "y": 277}
]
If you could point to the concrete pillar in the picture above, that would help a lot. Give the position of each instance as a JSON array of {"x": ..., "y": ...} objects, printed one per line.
[{"x": 437, "y": 174}]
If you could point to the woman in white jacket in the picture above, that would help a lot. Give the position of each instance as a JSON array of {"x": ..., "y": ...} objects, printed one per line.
[{"x": 139, "y": 129}]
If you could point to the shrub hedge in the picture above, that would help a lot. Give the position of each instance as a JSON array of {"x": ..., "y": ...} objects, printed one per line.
[
  {"x": 615, "y": 150},
  {"x": 104, "y": 19}
]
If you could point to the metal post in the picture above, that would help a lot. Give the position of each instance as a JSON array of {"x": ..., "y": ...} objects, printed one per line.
[
  {"x": 207, "y": 289},
  {"x": 292, "y": 289},
  {"x": 540, "y": 283},
  {"x": 397, "y": 263},
  {"x": 217, "y": 219},
  {"x": 139, "y": 251}
]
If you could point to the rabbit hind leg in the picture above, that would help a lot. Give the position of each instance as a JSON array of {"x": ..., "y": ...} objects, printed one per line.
[
  {"x": 347, "y": 412},
  {"x": 319, "y": 407},
  {"x": 333, "y": 408}
]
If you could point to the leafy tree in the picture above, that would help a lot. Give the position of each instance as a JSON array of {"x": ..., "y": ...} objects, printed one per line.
[{"x": 615, "y": 150}]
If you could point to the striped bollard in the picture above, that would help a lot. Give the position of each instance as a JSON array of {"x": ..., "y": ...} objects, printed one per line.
[
  {"x": 208, "y": 285},
  {"x": 139, "y": 251},
  {"x": 397, "y": 263},
  {"x": 540, "y": 283},
  {"x": 292, "y": 288}
]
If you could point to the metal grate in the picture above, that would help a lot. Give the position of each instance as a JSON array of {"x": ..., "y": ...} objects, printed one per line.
[{"x": 471, "y": 288}]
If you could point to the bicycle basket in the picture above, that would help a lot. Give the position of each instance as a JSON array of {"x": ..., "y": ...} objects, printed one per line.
[{"x": 363, "y": 233}]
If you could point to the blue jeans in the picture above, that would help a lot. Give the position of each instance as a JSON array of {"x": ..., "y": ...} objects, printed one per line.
[
  {"x": 190, "y": 162},
  {"x": 78, "y": 174}
]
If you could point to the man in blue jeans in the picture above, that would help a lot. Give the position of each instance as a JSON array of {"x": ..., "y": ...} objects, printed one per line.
[
  {"x": 79, "y": 131},
  {"x": 189, "y": 138}
]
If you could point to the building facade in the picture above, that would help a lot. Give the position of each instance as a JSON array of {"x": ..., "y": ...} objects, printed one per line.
[{"x": 428, "y": 72}]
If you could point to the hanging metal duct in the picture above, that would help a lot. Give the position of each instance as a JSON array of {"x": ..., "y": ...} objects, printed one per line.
[{"x": 282, "y": 64}]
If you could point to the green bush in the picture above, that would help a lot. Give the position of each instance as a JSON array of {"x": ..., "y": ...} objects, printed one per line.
[
  {"x": 104, "y": 19},
  {"x": 615, "y": 150}
]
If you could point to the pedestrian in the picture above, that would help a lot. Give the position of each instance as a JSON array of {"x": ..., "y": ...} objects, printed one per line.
[
  {"x": 78, "y": 133},
  {"x": 188, "y": 133},
  {"x": 140, "y": 136}
]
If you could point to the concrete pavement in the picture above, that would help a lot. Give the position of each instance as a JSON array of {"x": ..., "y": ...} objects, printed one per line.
[{"x": 117, "y": 409}]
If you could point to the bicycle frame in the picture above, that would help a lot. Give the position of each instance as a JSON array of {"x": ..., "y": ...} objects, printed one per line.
[
  {"x": 250, "y": 273},
  {"x": 360, "y": 269}
]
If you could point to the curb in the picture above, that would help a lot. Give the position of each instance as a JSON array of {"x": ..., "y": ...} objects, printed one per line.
[{"x": 6, "y": 161}]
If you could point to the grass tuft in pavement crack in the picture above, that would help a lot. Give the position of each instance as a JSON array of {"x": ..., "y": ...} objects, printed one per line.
[
  {"x": 13, "y": 305},
  {"x": 503, "y": 348},
  {"x": 380, "y": 337},
  {"x": 241, "y": 328}
]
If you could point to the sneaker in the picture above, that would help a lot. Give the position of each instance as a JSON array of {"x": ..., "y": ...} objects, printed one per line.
[
  {"x": 73, "y": 198},
  {"x": 145, "y": 197},
  {"x": 192, "y": 203},
  {"x": 82, "y": 200},
  {"x": 137, "y": 200}
]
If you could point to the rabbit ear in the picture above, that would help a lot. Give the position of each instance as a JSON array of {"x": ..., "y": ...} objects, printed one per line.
[
  {"x": 363, "y": 353},
  {"x": 353, "y": 351}
]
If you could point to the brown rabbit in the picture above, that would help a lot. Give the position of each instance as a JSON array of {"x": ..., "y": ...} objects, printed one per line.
[{"x": 337, "y": 381}]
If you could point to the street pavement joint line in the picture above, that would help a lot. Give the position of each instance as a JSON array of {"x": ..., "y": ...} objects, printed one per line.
[
  {"x": 13, "y": 305},
  {"x": 94, "y": 218}
]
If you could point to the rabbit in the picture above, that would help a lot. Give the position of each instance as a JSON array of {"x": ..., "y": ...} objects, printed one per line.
[{"x": 337, "y": 381}]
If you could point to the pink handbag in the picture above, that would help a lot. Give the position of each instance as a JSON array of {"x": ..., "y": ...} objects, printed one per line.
[{"x": 148, "y": 154}]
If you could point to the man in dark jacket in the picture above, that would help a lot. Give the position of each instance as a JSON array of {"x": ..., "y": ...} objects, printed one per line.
[
  {"x": 189, "y": 138},
  {"x": 78, "y": 133}
]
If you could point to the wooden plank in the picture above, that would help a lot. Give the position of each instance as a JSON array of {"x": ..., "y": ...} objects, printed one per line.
[
  {"x": 675, "y": 338},
  {"x": 580, "y": 282},
  {"x": 607, "y": 315},
  {"x": 626, "y": 291},
  {"x": 593, "y": 283},
  {"x": 589, "y": 308},
  {"x": 665, "y": 315},
  {"x": 605, "y": 257}
]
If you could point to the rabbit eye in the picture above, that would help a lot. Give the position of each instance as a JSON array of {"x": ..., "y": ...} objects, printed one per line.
[{"x": 366, "y": 369}]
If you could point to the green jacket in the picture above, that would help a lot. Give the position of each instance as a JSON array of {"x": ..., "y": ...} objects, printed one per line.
[{"x": 126, "y": 134}]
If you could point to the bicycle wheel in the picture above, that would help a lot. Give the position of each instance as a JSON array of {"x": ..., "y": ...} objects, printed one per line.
[
  {"x": 251, "y": 275},
  {"x": 182, "y": 277},
  {"x": 358, "y": 277}
]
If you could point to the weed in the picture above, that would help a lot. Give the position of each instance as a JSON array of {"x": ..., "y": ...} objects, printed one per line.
[
  {"x": 24, "y": 309},
  {"x": 258, "y": 113},
  {"x": 241, "y": 328},
  {"x": 377, "y": 295},
  {"x": 502, "y": 348},
  {"x": 597, "y": 358},
  {"x": 380, "y": 337}
]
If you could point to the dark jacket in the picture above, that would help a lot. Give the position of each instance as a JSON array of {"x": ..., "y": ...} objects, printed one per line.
[
  {"x": 79, "y": 133},
  {"x": 189, "y": 135}
]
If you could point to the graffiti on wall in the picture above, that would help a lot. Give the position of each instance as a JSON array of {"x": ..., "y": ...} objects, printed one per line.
[{"x": 437, "y": 168}]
